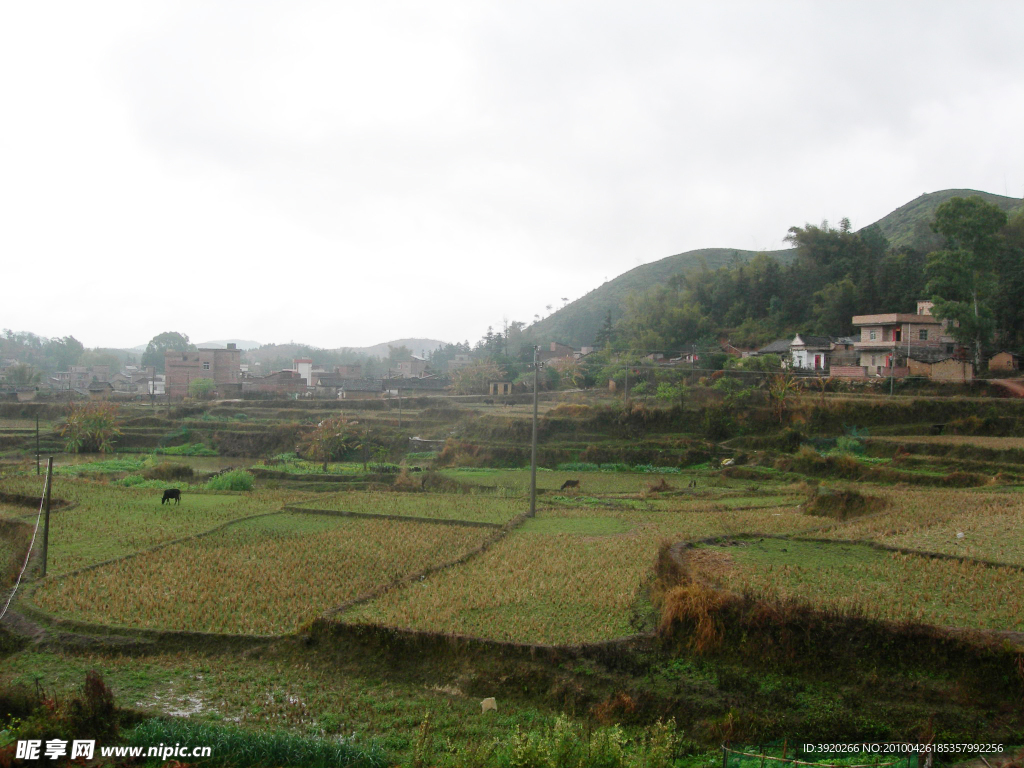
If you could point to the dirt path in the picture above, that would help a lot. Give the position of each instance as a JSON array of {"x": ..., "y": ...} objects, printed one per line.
[{"x": 1014, "y": 386}]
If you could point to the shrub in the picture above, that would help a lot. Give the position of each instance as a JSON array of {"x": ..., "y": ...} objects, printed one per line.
[
  {"x": 850, "y": 445},
  {"x": 842, "y": 505},
  {"x": 92, "y": 427},
  {"x": 236, "y": 480}
]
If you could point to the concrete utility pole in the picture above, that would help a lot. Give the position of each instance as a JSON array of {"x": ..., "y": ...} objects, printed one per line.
[{"x": 533, "y": 442}]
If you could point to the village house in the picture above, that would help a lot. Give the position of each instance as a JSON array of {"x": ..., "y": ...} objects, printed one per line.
[
  {"x": 1004, "y": 361},
  {"x": 901, "y": 344},
  {"x": 414, "y": 368},
  {"x": 100, "y": 390},
  {"x": 422, "y": 386},
  {"x": 810, "y": 353},
  {"x": 556, "y": 351},
  {"x": 221, "y": 365},
  {"x": 79, "y": 377},
  {"x": 332, "y": 387},
  {"x": 285, "y": 383}
]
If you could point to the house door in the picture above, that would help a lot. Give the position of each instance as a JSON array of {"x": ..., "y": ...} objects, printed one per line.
[{"x": 817, "y": 362}]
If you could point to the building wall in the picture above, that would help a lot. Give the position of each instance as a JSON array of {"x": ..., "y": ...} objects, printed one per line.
[
  {"x": 280, "y": 383},
  {"x": 849, "y": 371},
  {"x": 952, "y": 371},
  {"x": 1003, "y": 361},
  {"x": 224, "y": 366},
  {"x": 804, "y": 358}
]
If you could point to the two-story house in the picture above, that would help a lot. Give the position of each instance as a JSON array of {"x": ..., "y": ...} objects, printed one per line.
[{"x": 890, "y": 339}]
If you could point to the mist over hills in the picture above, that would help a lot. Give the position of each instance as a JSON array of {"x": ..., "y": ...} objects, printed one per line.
[{"x": 578, "y": 322}]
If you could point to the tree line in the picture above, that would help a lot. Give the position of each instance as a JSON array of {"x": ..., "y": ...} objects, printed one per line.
[{"x": 837, "y": 273}]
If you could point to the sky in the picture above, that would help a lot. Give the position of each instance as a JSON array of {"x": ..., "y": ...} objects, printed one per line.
[{"x": 348, "y": 173}]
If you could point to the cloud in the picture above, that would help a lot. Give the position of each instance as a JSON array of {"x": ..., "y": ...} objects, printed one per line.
[{"x": 345, "y": 173}]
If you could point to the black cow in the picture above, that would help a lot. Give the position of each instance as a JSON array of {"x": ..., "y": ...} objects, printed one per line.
[
  {"x": 570, "y": 484},
  {"x": 171, "y": 493}
]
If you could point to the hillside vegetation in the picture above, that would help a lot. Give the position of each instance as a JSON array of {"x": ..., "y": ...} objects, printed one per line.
[{"x": 907, "y": 229}]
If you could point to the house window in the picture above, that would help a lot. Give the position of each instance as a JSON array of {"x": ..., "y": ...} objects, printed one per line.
[
  {"x": 922, "y": 335},
  {"x": 873, "y": 335},
  {"x": 206, "y": 366}
]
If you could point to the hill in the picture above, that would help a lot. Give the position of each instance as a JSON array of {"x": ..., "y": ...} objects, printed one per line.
[{"x": 578, "y": 322}]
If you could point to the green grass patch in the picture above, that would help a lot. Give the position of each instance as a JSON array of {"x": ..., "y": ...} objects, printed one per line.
[
  {"x": 239, "y": 748},
  {"x": 191, "y": 449}
]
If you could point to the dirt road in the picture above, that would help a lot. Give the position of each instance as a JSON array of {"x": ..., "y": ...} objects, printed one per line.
[{"x": 1014, "y": 386}]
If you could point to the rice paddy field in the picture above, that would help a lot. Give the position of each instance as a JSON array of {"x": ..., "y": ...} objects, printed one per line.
[
  {"x": 860, "y": 579},
  {"x": 566, "y": 576},
  {"x": 478, "y": 508},
  {"x": 576, "y": 573},
  {"x": 979, "y": 524},
  {"x": 105, "y": 522},
  {"x": 263, "y": 576}
]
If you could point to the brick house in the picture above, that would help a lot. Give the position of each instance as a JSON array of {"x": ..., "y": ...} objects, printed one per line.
[
  {"x": 886, "y": 340},
  {"x": 224, "y": 366}
]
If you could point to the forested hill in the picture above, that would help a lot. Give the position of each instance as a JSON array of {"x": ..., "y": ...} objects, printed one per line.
[{"x": 578, "y": 322}]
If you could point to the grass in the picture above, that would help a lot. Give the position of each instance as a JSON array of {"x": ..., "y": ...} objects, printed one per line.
[
  {"x": 860, "y": 579},
  {"x": 108, "y": 521},
  {"x": 473, "y": 507},
  {"x": 263, "y": 576},
  {"x": 992, "y": 523},
  {"x": 567, "y": 576},
  {"x": 239, "y": 748},
  {"x": 341, "y": 699}
]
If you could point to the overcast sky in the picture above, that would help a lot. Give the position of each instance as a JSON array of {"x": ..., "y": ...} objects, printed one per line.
[{"x": 347, "y": 173}]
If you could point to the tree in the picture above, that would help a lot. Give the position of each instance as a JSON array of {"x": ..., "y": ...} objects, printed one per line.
[
  {"x": 23, "y": 375},
  {"x": 570, "y": 372},
  {"x": 201, "y": 389},
  {"x": 92, "y": 427},
  {"x": 64, "y": 352},
  {"x": 962, "y": 277},
  {"x": 473, "y": 378},
  {"x": 604, "y": 334},
  {"x": 164, "y": 342},
  {"x": 333, "y": 439}
]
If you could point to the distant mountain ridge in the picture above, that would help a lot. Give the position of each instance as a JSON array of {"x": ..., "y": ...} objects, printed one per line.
[{"x": 578, "y": 322}]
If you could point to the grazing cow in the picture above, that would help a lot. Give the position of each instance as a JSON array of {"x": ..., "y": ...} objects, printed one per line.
[
  {"x": 171, "y": 493},
  {"x": 570, "y": 484},
  {"x": 488, "y": 402}
]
